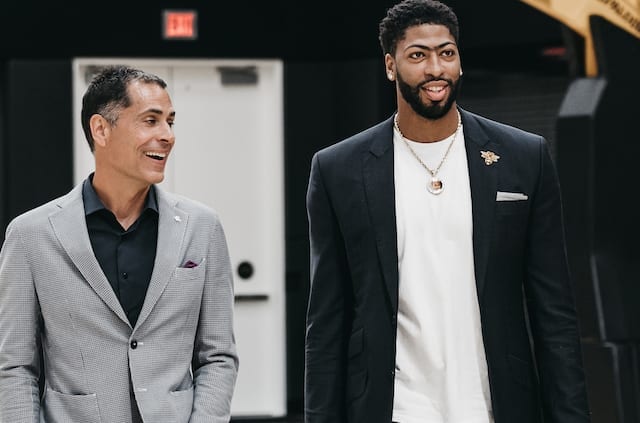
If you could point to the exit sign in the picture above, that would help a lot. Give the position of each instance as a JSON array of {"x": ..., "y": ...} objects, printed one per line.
[{"x": 180, "y": 25}]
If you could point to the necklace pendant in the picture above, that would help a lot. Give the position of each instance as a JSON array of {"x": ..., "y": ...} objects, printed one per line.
[{"x": 435, "y": 186}]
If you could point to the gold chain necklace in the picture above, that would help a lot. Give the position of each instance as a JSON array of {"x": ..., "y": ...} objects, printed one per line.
[{"x": 435, "y": 185}]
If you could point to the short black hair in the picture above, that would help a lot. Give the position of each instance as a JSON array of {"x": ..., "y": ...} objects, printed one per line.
[
  {"x": 410, "y": 13},
  {"x": 107, "y": 94}
]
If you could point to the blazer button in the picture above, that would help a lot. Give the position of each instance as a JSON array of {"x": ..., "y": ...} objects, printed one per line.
[{"x": 134, "y": 344}]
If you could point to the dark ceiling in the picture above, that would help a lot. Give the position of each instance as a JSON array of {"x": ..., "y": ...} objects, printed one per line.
[{"x": 493, "y": 33}]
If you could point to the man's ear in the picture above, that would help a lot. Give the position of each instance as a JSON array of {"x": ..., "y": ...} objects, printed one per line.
[
  {"x": 390, "y": 67},
  {"x": 100, "y": 130}
]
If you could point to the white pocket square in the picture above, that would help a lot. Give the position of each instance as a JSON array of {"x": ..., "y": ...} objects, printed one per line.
[{"x": 510, "y": 196}]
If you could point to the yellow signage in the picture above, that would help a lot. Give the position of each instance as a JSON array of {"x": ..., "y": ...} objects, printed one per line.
[{"x": 575, "y": 14}]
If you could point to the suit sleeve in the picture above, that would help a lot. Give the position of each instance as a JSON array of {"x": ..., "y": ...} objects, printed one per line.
[
  {"x": 328, "y": 316},
  {"x": 551, "y": 305},
  {"x": 215, "y": 361},
  {"x": 19, "y": 334}
]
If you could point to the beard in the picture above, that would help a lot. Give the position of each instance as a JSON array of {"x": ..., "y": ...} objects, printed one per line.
[{"x": 437, "y": 109}]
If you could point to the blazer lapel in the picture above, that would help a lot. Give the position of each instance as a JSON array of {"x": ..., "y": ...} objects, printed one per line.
[
  {"x": 69, "y": 225},
  {"x": 172, "y": 224},
  {"x": 380, "y": 193},
  {"x": 483, "y": 180}
]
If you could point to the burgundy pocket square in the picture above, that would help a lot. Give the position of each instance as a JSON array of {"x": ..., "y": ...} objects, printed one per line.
[{"x": 189, "y": 264}]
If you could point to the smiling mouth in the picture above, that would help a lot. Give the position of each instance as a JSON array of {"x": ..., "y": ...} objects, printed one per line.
[
  {"x": 156, "y": 156},
  {"x": 435, "y": 89},
  {"x": 435, "y": 93}
]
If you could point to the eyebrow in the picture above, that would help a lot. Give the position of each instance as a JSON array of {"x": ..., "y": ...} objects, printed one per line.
[
  {"x": 438, "y": 47},
  {"x": 158, "y": 112}
]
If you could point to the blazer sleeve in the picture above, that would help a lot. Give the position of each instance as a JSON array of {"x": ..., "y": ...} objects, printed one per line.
[
  {"x": 19, "y": 334},
  {"x": 215, "y": 361},
  {"x": 551, "y": 305},
  {"x": 327, "y": 326}
]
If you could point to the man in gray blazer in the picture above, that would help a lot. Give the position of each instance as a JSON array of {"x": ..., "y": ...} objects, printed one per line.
[
  {"x": 121, "y": 292},
  {"x": 440, "y": 290}
]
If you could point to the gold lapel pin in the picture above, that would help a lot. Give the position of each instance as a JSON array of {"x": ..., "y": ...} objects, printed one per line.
[{"x": 489, "y": 157}]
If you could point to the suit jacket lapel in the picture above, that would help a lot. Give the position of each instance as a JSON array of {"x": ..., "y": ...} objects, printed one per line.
[
  {"x": 69, "y": 225},
  {"x": 172, "y": 224},
  {"x": 380, "y": 192},
  {"x": 484, "y": 180}
]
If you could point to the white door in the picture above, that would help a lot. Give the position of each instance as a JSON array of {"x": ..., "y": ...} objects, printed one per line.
[{"x": 229, "y": 154}]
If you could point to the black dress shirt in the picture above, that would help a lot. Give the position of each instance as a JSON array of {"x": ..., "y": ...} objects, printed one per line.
[{"x": 125, "y": 256}]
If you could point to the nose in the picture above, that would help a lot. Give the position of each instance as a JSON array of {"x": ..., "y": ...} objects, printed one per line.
[
  {"x": 433, "y": 66},
  {"x": 167, "y": 134}
]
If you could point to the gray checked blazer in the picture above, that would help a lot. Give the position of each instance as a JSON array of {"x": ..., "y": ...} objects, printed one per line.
[{"x": 178, "y": 363}]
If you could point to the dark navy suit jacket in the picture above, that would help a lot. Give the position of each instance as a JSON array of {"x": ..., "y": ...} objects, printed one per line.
[{"x": 521, "y": 271}]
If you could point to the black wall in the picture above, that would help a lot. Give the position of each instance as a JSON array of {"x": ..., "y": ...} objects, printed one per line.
[
  {"x": 37, "y": 164},
  {"x": 598, "y": 148}
]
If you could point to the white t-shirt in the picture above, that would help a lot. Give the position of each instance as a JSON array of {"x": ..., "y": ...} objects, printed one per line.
[{"x": 441, "y": 371}]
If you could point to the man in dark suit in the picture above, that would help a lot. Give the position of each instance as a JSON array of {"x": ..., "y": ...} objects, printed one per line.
[{"x": 439, "y": 284}]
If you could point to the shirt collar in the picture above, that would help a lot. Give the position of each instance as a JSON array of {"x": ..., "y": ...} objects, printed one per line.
[{"x": 92, "y": 202}]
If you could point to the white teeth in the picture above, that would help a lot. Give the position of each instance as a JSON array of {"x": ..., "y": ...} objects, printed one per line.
[
  {"x": 435, "y": 89},
  {"x": 155, "y": 155}
]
